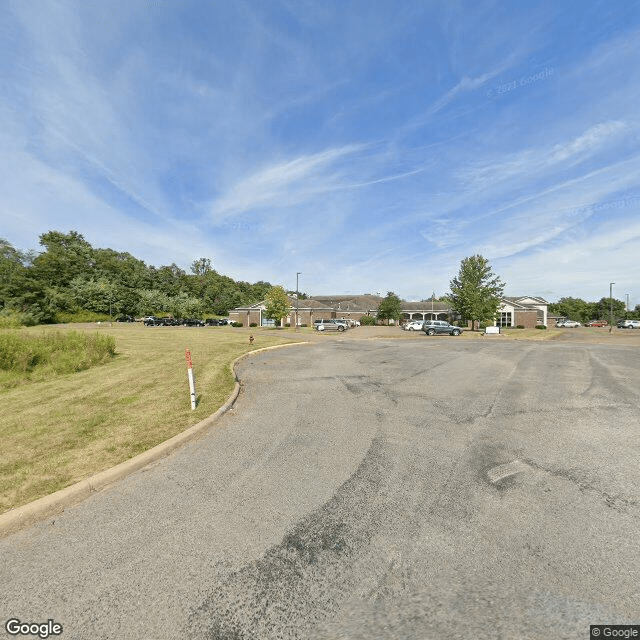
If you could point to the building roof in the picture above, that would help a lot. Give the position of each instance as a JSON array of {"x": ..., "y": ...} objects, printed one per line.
[
  {"x": 364, "y": 302},
  {"x": 522, "y": 299},
  {"x": 368, "y": 302}
]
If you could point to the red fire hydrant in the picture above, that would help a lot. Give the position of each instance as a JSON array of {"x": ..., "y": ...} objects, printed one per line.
[{"x": 250, "y": 339}]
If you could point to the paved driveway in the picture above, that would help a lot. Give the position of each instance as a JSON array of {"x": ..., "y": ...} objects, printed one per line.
[{"x": 367, "y": 489}]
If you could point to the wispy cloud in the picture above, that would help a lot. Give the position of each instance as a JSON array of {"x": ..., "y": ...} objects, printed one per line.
[
  {"x": 285, "y": 183},
  {"x": 532, "y": 162},
  {"x": 359, "y": 136}
]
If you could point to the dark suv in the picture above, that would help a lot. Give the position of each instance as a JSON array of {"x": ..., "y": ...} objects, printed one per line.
[{"x": 433, "y": 327}]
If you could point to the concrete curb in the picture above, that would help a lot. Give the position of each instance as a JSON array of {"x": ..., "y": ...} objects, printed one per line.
[{"x": 43, "y": 508}]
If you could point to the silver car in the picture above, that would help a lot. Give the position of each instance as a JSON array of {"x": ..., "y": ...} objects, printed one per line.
[
  {"x": 332, "y": 325},
  {"x": 629, "y": 324}
]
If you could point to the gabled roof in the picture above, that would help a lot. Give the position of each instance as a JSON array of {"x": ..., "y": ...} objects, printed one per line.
[
  {"x": 524, "y": 299},
  {"x": 350, "y": 303},
  {"x": 302, "y": 305},
  {"x": 308, "y": 303}
]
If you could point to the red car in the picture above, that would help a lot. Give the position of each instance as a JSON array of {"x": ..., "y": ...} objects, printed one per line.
[{"x": 597, "y": 323}]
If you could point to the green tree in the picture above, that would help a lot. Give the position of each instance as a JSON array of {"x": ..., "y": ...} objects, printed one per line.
[
  {"x": 201, "y": 266},
  {"x": 277, "y": 304},
  {"x": 11, "y": 268},
  {"x": 476, "y": 290},
  {"x": 185, "y": 306},
  {"x": 167, "y": 279},
  {"x": 574, "y": 309},
  {"x": 153, "y": 301},
  {"x": 390, "y": 308},
  {"x": 99, "y": 296},
  {"x": 66, "y": 256},
  {"x": 121, "y": 268},
  {"x": 604, "y": 306}
]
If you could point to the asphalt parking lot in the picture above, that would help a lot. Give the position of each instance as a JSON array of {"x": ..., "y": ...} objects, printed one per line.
[{"x": 369, "y": 488}]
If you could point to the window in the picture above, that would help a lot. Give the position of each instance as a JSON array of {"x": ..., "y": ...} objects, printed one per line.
[{"x": 505, "y": 319}]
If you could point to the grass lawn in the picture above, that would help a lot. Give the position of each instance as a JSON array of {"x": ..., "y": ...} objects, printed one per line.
[
  {"x": 531, "y": 334},
  {"x": 58, "y": 431}
]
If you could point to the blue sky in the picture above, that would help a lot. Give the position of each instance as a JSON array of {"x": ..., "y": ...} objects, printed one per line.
[{"x": 369, "y": 145}]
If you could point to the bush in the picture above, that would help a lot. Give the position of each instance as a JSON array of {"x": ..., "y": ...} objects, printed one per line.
[
  {"x": 519, "y": 326},
  {"x": 368, "y": 321},
  {"x": 236, "y": 324},
  {"x": 304, "y": 325},
  {"x": 24, "y": 355},
  {"x": 540, "y": 326},
  {"x": 253, "y": 324},
  {"x": 10, "y": 320},
  {"x": 287, "y": 324}
]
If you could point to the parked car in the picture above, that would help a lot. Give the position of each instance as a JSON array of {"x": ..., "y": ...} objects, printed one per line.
[
  {"x": 568, "y": 323},
  {"x": 433, "y": 327},
  {"x": 332, "y": 325},
  {"x": 152, "y": 321},
  {"x": 126, "y": 319},
  {"x": 597, "y": 323},
  {"x": 413, "y": 325},
  {"x": 193, "y": 322},
  {"x": 628, "y": 324}
]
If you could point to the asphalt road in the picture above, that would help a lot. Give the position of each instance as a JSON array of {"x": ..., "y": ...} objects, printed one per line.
[{"x": 415, "y": 489}]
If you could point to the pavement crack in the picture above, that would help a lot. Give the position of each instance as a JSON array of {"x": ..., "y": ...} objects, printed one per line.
[{"x": 615, "y": 501}]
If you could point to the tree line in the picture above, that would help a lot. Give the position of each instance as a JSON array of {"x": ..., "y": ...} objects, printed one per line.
[
  {"x": 70, "y": 280},
  {"x": 583, "y": 311}
]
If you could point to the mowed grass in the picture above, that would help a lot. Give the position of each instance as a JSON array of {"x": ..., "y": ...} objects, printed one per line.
[{"x": 59, "y": 430}]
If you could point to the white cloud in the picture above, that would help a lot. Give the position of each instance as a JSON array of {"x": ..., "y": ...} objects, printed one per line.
[
  {"x": 284, "y": 183},
  {"x": 531, "y": 163}
]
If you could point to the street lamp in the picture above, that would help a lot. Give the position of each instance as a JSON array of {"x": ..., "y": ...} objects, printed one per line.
[
  {"x": 611, "y": 305},
  {"x": 297, "y": 299}
]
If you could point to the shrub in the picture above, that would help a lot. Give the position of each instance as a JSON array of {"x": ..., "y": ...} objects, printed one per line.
[
  {"x": 236, "y": 324},
  {"x": 304, "y": 325},
  {"x": 519, "y": 326},
  {"x": 25, "y": 356},
  {"x": 253, "y": 324},
  {"x": 12, "y": 319},
  {"x": 540, "y": 326},
  {"x": 287, "y": 324},
  {"x": 368, "y": 321}
]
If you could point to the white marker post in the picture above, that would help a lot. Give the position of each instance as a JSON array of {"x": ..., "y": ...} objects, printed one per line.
[{"x": 192, "y": 384}]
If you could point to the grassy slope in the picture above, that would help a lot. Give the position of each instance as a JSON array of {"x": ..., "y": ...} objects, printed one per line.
[{"x": 59, "y": 431}]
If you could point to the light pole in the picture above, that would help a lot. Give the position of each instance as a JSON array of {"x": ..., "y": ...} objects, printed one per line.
[
  {"x": 297, "y": 299},
  {"x": 611, "y": 305}
]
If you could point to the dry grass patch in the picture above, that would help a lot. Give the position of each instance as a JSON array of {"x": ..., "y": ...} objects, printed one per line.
[{"x": 58, "y": 431}]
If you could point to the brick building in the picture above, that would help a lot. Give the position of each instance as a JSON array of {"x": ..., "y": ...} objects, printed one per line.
[{"x": 527, "y": 311}]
